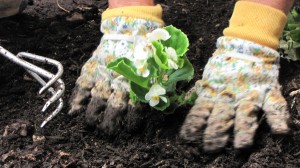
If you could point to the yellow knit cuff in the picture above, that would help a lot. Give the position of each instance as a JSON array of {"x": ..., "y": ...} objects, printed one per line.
[
  {"x": 256, "y": 22},
  {"x": 153, "y": 13}
]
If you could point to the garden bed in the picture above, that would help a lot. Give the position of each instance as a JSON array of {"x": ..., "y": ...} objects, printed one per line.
[{"x": 47, "y": 30}]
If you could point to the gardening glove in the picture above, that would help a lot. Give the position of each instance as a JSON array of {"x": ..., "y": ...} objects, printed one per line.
[
  {"x": 122, "y": 29},
  {"x": 239, "y": 80},
  {"x": 11, "y": 7}
]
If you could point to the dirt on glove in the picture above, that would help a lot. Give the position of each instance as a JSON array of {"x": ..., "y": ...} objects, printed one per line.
[{"x": 70, "y": 35}]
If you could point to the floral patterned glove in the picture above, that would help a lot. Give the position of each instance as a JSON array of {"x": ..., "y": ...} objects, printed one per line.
[
  {"x": 239, "y": 80},
  {"x": 107, "y": 89}
]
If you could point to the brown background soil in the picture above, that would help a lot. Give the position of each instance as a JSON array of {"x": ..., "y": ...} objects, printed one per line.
[{"x": 43, "y": 29}]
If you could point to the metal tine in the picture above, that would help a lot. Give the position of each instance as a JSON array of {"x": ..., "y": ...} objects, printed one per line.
[
  {"x": 55, "y": 96},
  {"x": 54, "y": 113},
  {"x": 53, "y": 78},
  {"x": 51, "y": 90},
  {"x": 25, "y": 64},
  {"x": 35, "y": 71},
  {"x": 40, "y": 71}
]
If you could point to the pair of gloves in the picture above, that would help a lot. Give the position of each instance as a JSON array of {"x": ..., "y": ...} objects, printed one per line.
[{"x": 239, "y": 80}]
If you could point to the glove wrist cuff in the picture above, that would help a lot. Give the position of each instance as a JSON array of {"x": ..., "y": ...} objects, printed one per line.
[
  {"x": 248, "y": 50},
  {"x": 256, "y": 22},
  {"x": 152, "y": 13}
]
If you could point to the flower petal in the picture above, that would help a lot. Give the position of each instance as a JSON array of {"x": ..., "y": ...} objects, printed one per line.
[
  {"x": 141, "y": 52},
  {"x": 146, "y": 73},
  {"x": 164, "y": 99},
  {"x": 158, "y": 34},
  {"x": 139, "y": 63},
  {"x": 157, "y": 89},
  {"x": 172, "y": 64},
  {"x": 153, "y": 102},
  {"x": 171, "y": 52},
  {"x": 148, "y": 96}
]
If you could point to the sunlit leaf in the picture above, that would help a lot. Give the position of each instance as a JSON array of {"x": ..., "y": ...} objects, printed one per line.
[
  {"x": 160, "y": 56},
  {"x": 178, "y": 40},
  {"x": 185, "y": 73},
  {"x": 126, "y": 68}
]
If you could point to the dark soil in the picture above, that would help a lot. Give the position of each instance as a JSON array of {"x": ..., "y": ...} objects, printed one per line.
[{"x": 46, "y": 30}]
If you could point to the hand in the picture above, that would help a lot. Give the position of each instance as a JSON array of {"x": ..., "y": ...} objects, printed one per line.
[
  {"x": 238, "y": 81},
  {"x": 108, "y": 90}
]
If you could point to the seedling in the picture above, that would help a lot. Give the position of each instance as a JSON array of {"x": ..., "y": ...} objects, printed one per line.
[{"x": 160, "y": 62}]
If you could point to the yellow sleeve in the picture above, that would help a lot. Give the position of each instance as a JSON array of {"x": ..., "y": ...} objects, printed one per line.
[
  {"x": 256, "y": 22},
  {"x": 152, "y": 13}
]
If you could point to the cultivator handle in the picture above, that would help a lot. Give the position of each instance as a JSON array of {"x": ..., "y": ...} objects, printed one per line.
[{"x": 37, "y": 73}]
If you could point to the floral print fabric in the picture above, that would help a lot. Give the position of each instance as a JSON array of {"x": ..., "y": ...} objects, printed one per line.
[
  {"x": 239, "y": 79},
  {"x": 109, "y": 50}
]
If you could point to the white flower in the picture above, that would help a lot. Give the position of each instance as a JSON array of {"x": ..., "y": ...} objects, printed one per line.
[
  {"x": 172, "y": 55},
  {"x": 141, "y": 52},
  {"x": 158, "y": 34},
  {"x": 172, "y": 64},
  {"x": 141, "y": 55},
  {"x": 155, "y": 94},
  {"x": 143, "y": 70}
]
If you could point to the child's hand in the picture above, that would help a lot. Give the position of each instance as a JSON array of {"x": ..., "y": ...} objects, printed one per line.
[
  {"x": 108, "y": 90},
  {"x": 238, "y": 81}
]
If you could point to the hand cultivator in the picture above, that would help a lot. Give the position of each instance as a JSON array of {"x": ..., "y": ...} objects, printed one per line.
[{"x": 55, "y": 85}]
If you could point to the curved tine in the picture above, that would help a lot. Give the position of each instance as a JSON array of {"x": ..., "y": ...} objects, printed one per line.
[
  {"x": 35, "y": 71},
  {"x": 25, "y": 64},
  {"x": 61, "y": 103},
  {"x": 53, "y": 114},
  {"x": 50, "y": 61},
  {"x": 55, "y": 96}
]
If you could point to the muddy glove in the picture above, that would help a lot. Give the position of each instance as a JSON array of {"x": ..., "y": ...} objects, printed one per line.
[
  {"x": 239, "y": 80},
  {"x": 11, "y": 7},
  {"x": 108, "y": 90}
]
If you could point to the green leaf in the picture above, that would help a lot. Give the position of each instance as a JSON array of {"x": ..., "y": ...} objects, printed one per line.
[
  {"x": 177, "y": 101},
  {"x": 290, "y": 39},
  {"x": 180, "y": 100},
  {"x": 153, "y": 68},
  {"x": 292, "y": 26},
  {"x": 180, "y": 62},
  {"x": 139, "y": 91},
  {"x": 174, "y": 103},
  {"x": 295, "y": 35},
  {"x": 178, "y": 40},
  {"x": 293, "y": 54},
  {"x": 162, "y": 105},
  {"x": 296, "y": 45},
  {"x": 290, "y": 18},
  {"x": 133, "y": 97},
  {"x": 191, "y": 99},
  {"x": 126, "y": 68},
  {"x": 160, "y": 56},
  {"x": 184, "y": 73},
  {"x": 295, "y": 14}
]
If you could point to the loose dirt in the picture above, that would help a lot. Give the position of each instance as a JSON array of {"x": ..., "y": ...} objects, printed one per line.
[{"x": 70, "y": 38}]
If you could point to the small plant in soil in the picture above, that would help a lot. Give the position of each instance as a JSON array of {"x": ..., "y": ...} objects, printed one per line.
[
  {"x": 160, "y": 63},
  {"x": 290, "y": 40}
]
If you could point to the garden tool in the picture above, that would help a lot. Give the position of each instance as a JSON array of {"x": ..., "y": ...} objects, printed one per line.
[{"x": 55, "y": 85}]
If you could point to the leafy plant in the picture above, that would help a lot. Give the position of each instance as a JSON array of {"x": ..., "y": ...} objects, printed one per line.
[
  {"x": 159, "y": 64},
  {"x": 290, "y": 40}
]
